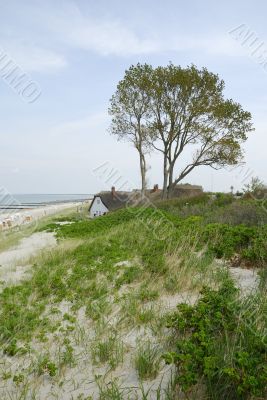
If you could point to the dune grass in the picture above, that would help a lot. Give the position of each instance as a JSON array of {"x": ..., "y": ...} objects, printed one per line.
[
  {"x": 96, "y": 302},
  {"x": 12, "y": 236},
  {"x": 147, "y": 360}
]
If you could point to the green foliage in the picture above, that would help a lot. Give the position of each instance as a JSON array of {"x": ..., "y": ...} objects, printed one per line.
[
  {"x": 178, "y": 108},
  {"x": 96, "y": 309},
  {"x": 12, "y": 348},
  {"x": 104, "y": 242},
  {"x": 224, "y": 209},
  {"x": 19, "y": 378},
  {"x": 245, "y": 212},
  {"x": 220, "y": 341},
  {"x": 111, "y": 391},
  {"x": 67, "y": 356},
  {"x": 128, "y": 276},
  {"x": 175, "y": 205},
  {"x": 147, "y": 360},
  {"x": 68, "y": 317},
  {"x": 225, "y": 240},
  {"x": 95, "y": 226},
  {"x": 45, "y": 365},
  {"x": 146, "y": 315},
  {"x": 108, "y": 350},
  {"x": 217, "y": 341},
  {"x": 256, "y": 187},
  {"x": 223, "y": 199},
  {"x": 155, "y": 262}
]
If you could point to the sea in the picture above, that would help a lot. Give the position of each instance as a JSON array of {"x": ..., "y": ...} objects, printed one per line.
[{"x": 22, "y": 201}]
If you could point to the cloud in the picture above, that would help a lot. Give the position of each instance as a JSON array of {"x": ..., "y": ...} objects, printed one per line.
[
  {"x": 105, "y": 36},
  {"x": 112, "y": 36},
  {"x": 86, "y": 125},
  {"x": 33, "y": 58},
  {"x": 66, "y": 27},
  {"x": 219, "y": 45}
]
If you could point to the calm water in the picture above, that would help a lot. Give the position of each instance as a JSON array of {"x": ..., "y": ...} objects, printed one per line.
[{"x": 36, "y": 200}]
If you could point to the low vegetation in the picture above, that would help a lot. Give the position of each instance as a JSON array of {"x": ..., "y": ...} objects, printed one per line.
[
  {"x": 221, "y": 343},
  {"x": 104, "y": 302},
  {"x": 147, "y": 360}
]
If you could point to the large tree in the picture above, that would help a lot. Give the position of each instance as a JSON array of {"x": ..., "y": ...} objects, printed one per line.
[
  {"x": 189, "y": 111},
  {"x": 176, "y": 109},
  {"x": 130, "y": 108}
]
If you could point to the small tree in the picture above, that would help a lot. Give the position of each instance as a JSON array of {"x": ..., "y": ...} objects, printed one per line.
[
  {"x": 130, "y": 109},
  {"x": 256, "y": 187}
]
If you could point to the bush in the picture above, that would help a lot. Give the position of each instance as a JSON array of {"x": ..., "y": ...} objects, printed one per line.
[
  {"x": 186, "y": 206},
  {"x": 222, "y": 199},
  {"x": 239, "y": 212},
  {"x": 218, "y": 343},
  {"x": 225, "y": 240}
]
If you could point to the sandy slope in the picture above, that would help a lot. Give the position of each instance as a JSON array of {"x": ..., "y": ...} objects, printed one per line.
[
  {"x": 12, "y": 261},
  {"x": 78, "y": 381}
]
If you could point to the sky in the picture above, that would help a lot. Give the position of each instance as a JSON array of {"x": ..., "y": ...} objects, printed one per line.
[{"x": 75, "y": 52}]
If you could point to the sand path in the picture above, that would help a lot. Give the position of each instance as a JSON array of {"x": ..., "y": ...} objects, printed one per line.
[
  {"x": 246, "y": 279},
  {"x": 12, "y": 261}
]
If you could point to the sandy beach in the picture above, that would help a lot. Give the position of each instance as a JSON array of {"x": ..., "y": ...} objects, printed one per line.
[{"x": 11, "y": 218}]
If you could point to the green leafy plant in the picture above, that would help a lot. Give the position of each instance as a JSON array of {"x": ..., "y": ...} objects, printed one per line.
[
  {"x": 45, "y": 365},
  {"x": 218, "y": 341},
  {"x": 19, "y": 378}
]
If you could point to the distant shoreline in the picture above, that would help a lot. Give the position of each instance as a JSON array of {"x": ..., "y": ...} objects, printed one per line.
[
  {"x": 19, "y": 202},
  {"x": 29, "y": 206},
  {"x": 10, "y": 218}
]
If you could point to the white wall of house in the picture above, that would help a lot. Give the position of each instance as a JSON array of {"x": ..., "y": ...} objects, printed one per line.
[{"x": 97, "y": 208}]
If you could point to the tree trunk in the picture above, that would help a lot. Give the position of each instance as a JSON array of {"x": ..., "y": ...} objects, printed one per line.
[
  {"x": 165, "y": 178},
  {"x": 143, "y": 173},
  {"x": 170, "y": 184}
]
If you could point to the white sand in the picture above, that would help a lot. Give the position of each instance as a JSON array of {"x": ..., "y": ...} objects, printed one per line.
[
  {"x": 27, "y": 247},
  {"x": 246, "y": 279},
  {"x": 12, "y": 261}
]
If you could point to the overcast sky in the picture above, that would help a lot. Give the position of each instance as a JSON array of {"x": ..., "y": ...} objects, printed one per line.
[{"x": 77, "y": 51}]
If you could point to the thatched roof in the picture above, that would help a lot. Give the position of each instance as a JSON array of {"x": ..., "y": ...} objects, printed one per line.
[
  {"x": 113, "y": 201},
  {"x": 188, "y": 186},
  {"x": 117, "y": 199},
  {"x": 183, "y": 190}
]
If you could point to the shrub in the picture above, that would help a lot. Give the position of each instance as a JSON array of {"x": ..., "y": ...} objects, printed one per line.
[
  {"x": 222, "y": 199},
  {"x": 218, "y": 342},
  {"x": 225, "y": 240},
  {"x": 238, "y": 212}
]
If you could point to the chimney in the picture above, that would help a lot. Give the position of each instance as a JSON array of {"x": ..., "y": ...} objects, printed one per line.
[{"x": 113, "y": 191}]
